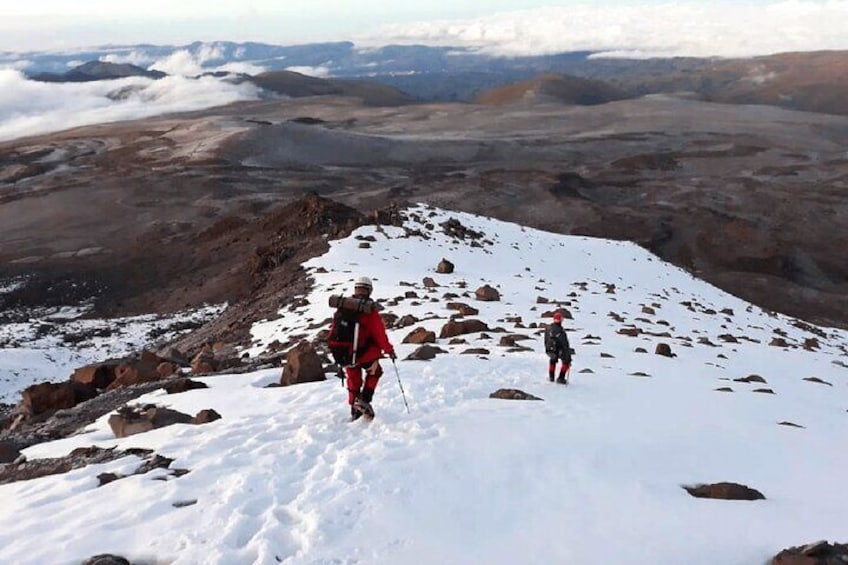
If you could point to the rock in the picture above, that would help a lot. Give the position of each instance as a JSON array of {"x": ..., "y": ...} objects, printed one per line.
[
  {"x": 419, "y": 336},
  {"x": 425, "y": 353},
  {"x": 389, "y": 319},
  {"x": 605, "y": 355},
  {"x": 564, "y": 311},
  {"x": 106, "y": 478},
  {"x": 167, "y": 369},
  {"x": 8, "y": 452},
  {"x": 724, "y": 491},
  {"x": 302, "y": 365},
  {"x": 639, "y": 374},
  {"x": 510, "y": 340},
  {"x": 751, "y": 379},
  {"x": 184, "y": 503},
  {"x": 778, "y": 342},
  {"x": 811, "y": 344},
  {"x": 205, "y": 416},
  {"x": 632, "y": 332},
  {"x": 817, "y": 380},
  {"x": 204, "y": 362},
  {"x": 640, "y": 350},
  {"x": 106, "y": 559},
  {"x": 763, "y": 390},
  {"x": 587, "y": 372},
  {"x": 445, "y": 267},
  {"x": 457, "y": 341},
  {"x": 790, "y": 424},
  {"x": 184, "y": 385},
  {"x": 98, "y": 375},
  {"x": 143, "y": 370},
  {"x": 454, "y": 328},
  {"x": 664, "y": 349},
  {"x": 487, "y": 293},
  {"x": 724, "y": 389},
  {"x": 513, "y": 394},
  {"x": 131, "y": 420},
  {"x": 727, "y": 311},
  {"x": 47, "y": 397},
  {"x": 364, "y": 245},
  {"x": 541, "y": 300},
  {"x": 410, "y": 294},
  {"x": 476, "y": 351},
  {"x": 406, "y": 321},
  {"x": 648, "y": 310},
  {"x": 463, "y": 309},
  {"x": 817, "y": 553},
  {"x": 429, "y": 282},
  {"x": 728, "y": 338}
]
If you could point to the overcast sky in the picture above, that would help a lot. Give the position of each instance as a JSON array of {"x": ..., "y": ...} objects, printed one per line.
[{"x": 687, "y": 27}]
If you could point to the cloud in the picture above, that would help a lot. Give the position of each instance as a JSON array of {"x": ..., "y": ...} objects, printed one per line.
[
  {"x": 134, "y": 57},
  {"x": 241, "y": 67},
  {"x": 190, "y": 63},
  {"x": 644, "y": 29},
  {"x": 29, "y": 108},
  {"x": 311, "y": 71}
]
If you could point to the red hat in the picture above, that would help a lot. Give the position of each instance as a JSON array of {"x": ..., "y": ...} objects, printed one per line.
[{"x": 557, "y": 316}]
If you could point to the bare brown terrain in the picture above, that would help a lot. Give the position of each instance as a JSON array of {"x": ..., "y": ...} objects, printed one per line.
[{"x": 177, "y": 211}]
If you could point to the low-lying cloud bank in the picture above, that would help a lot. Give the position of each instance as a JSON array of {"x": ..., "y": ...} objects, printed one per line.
[
  {"x": 29, "y": 108},
  {"x": 700, "y": 29}
]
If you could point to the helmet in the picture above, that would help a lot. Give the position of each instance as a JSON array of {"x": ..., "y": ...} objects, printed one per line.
[
  {"x": 557, "y": 316},
  {"x": 363, "y": 282}
]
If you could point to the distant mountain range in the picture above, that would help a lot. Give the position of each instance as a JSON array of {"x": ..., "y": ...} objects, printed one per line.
[{"x": 815, "y": 81}]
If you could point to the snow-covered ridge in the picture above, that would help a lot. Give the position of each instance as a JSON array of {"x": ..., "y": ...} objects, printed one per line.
[{"x": 592, "y": 474}]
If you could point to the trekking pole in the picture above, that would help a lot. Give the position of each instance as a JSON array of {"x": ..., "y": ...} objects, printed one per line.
[{"x": 403, "y": 394}]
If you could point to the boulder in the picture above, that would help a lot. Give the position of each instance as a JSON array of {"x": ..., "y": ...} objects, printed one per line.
[
  {"x": 425, "y": 353},
  {"x": 131, "y": 420},
  {"x": 143, "y": 370},
  {"x": 429, "y": 282},
  {"x": 406, "y": 321},
  {"x": 47, "y": 397},
  {"x": 302, "y": 365},
  {"x": 724, "y": 491},
  {"x": 97, "y": 375},
  {"x": 778, "y": 342},
  {"x": 204, "y": 362},
  {"x": 513, "y": 394},
  {"x": 664, "y": 349},
  {"x": 8, "y": 452},
  {"x": 389, "y": 319},
  {"x": 648, "y": 310},
  {"x": 205, "y": 416},
  {"x": 167, "y": 369},
  {"x": 463, "y": 309},
  {"x": 444, "y": 267},
  {"x": 751, "y": 379},
  {"x": 487, "y": 293},
  {"x": 511, "y": 340},
  {"x": 184, "y": 385},
  {"x": 419, "y": 336},
  {"x": 454, "y": 328},
  {"x": 816, "y": 553}
]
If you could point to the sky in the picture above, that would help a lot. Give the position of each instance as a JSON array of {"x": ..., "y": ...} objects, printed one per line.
[
  {"x": 684, "y": 27},
  {"x": 591, "y": 473}
]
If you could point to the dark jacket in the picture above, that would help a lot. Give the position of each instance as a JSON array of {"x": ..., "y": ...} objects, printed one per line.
[{"x": 556, "y": 343}]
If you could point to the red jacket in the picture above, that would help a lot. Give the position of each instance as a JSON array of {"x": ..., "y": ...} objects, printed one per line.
[{"x": 373, "y": 340}]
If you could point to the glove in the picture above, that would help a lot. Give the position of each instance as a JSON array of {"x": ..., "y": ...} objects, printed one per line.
[{"x": 392, "y": 355}]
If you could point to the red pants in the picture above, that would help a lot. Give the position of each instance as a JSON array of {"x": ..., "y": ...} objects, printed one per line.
[{"x": 373, "y": 372}]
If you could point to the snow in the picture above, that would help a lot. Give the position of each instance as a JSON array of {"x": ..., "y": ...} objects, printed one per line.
[{"x": 591, "y": 474}]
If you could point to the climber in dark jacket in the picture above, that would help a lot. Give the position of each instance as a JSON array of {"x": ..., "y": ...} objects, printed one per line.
[{"x": 557, "y": 347}]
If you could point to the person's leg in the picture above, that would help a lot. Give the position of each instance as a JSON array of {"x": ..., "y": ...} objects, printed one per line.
[
  {"x": 551, "y": 368},
  {"x": 562, "y": 370},
  {"x": 372, "y": 376},
  {"x": 354, "y": 386}
]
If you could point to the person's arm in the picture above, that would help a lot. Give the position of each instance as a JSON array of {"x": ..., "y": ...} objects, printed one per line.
[{"x": 378, "y": 331}]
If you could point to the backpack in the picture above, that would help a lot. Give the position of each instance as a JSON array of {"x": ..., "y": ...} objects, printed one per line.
[{"x": 344, "y": 333}]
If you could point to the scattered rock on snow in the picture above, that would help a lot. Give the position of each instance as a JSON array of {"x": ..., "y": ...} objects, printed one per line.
[
  {"x": 419, "y": 336},
  {"x": 476, "y": 351},
  {"x": 184, "y": 385},
  {"x": 205, "y": 416},
  {"x": 817, "y": 380},
  {"x": 425, "y": 353},
  {"x": 303, "y": 365},
  {"x": 454, "y": 328},
  {"x": 8, "y": 452},
  {"x": 513, "y": 394},
  {"x": 751, "y": 379},
  {"x": 131, "y": 420},
  {"x": 724, "y": 389},
  {"x": 106, "y": 559},
  {"x": 664, "y": 349},
  {"x": 724, "y": 491},
  {"x": 790, "y": 424},
  {"x": 817, "y": 553},
  {"x": 487, "y": 293},
  {"x": 445, "y": 267},
  {"x": 763, "y": 390},
  {"x": 463, "y": 309}
]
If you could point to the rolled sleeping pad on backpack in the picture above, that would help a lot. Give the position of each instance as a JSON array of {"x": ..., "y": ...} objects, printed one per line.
[{"x": 350, "y": 303}]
